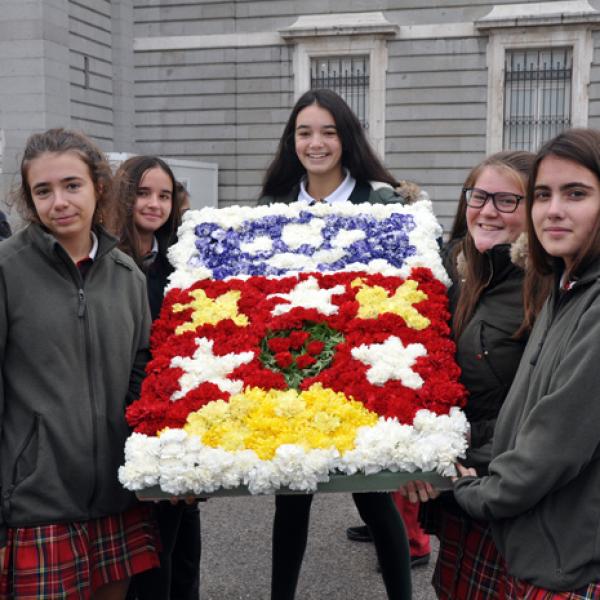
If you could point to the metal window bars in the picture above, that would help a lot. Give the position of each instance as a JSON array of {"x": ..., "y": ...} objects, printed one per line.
[
  {"x": 346, "y": 75},
  {"x": 537, "y": 96}
]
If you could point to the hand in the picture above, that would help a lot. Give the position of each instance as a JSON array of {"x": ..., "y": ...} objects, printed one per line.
[
  {"x": 189, "y": 500},
  {"x": 464, "y": 472},
  {"x": 419, "y": 491}
]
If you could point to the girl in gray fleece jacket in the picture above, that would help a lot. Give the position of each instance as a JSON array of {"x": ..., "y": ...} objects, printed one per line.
[
  {"x": 542, "y": 492},
  {"x": 74, "y": 328}
]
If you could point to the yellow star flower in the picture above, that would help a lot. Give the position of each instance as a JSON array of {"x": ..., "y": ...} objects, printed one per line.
[
  {"x": 209, "y": 311},
  {"x": 375, "y": 301}
]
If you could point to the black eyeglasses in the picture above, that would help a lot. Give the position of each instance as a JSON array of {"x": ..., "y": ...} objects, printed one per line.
[{"x": 503, "y": 201}]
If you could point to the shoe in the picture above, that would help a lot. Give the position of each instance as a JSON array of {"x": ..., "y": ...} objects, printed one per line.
[
  {"x": 415, "y": 561},
  {"x": 419, "y": 561},
  {"x": 359, "y": 534}
]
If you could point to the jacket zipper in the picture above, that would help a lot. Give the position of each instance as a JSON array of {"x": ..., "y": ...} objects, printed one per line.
[{"x": 81, "y": 313}]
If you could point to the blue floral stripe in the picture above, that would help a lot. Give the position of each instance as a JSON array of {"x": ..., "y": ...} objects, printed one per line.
[{"x": 220, "y": 249}]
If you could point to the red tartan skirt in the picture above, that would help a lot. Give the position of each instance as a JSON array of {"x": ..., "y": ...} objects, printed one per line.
[
  {"x": 69, "y": 561},
  {"x": 468, "y": 565},
  {"x": 521, "y": 590}
]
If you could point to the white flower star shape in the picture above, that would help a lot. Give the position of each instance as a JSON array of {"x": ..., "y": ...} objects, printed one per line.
[
  {"x": 391, "y": 360},
  {"x": 308, "y": 294},
  {"x": 204, "y": 366}
]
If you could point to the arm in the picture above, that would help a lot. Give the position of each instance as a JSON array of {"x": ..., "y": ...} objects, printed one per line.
[
  {"x": 142, "y": 353},
  {"x": 556, "y": 439},
  {"x": 479, "y": 453}
]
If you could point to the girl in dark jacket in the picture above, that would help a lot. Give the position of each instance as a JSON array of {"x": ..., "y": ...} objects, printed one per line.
[
  {"x": 323, "y": 155},
  {"x": 147, "y": 191},
  {"x": 489, "y": 326},
  {"x": 541, "y": 492},
  {"x": 74, "y": 330}
]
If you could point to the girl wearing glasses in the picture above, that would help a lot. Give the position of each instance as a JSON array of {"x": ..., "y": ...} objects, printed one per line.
[
  {"x": 489, "y": 326},
  {"x": 542, "y": 490}
]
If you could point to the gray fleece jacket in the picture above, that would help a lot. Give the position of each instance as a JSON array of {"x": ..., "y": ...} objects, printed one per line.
[
  {"x": 542, "y": 494},
  {"x": 72, "y": 355}
]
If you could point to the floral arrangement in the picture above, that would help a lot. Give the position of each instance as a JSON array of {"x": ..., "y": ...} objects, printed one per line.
[{"x": 295, "y": 342}]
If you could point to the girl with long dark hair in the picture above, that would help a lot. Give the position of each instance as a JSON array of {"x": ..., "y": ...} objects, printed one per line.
[
  {"x": 323, "y": 155},
  {"x": 150, "y": 204}
]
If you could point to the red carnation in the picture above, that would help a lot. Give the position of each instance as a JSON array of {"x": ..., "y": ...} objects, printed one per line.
[
  {"x": 304, "y": 361},
  {"x": 284, "y": 359},
  {"x": 297, "y": 339},
  {"x": 315, "y": 348},
  {"x": 279, "y": 344}
]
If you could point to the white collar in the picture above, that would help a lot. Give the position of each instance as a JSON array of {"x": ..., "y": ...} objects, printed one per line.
[
  {"x": 94, "y": 248},
  {"x": 340, "y": 194}
]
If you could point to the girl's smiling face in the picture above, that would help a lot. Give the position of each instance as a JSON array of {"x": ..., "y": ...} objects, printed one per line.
[
  {"x": 317, "y": 143},
  {"x": 566, "y": 207},
  {"x": 487, "y": 225},
  {"x": 154, "y": 200}
]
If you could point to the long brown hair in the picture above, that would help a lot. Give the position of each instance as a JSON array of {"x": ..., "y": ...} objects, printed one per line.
[
  {"x": 515, "y": 164},
  {"x": 127, "y": 180},
  {"x": 62, "y": 141}
]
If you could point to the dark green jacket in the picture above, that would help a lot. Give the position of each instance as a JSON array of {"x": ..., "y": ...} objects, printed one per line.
[
  {"x": 488, "y": 354},
  {"x": 362, "y": 192},
  {"x": 543, "y": 489},
  {"x": 73, "y": 354}
]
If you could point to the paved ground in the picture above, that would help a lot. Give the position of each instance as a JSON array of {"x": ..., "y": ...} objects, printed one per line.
[{"x": 236, "y": 538}]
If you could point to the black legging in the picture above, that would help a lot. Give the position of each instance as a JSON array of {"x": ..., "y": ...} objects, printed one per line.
[
  {"x": 178, "y": 577},
  {"x": 377, "y": 510}
]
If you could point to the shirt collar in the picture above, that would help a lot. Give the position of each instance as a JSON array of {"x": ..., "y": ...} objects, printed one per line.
[
  {"x": 340, "y": 194},
  {"x": 94, "y": 249},
  {"x": 151, "y": 256}
]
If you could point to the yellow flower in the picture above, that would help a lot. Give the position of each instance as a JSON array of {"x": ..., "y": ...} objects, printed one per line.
[
  {"x": 262, "y": 420},
  {"x": 325, "y": 422},
  {"x": 375, "y": 301},
  {"x": 216, "y": 411},
  {"x": 289, "y": 404},
  {"x": 209, "y": 311},
  {"x": 240, "y": 405}
]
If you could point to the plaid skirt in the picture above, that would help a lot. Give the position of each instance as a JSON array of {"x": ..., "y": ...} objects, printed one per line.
[
  {"x": 69, "y": 561},
  {"x": 468, "y": 565},
  {"x": 521, "y": 590}
]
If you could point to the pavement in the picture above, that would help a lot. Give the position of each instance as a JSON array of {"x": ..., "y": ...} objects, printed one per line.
[{"x": 236, "y": 553}]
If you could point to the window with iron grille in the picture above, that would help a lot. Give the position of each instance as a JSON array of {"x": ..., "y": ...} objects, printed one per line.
[
  {"x": 346, "y": 75},
  {"x": 537, "y": 96}
]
